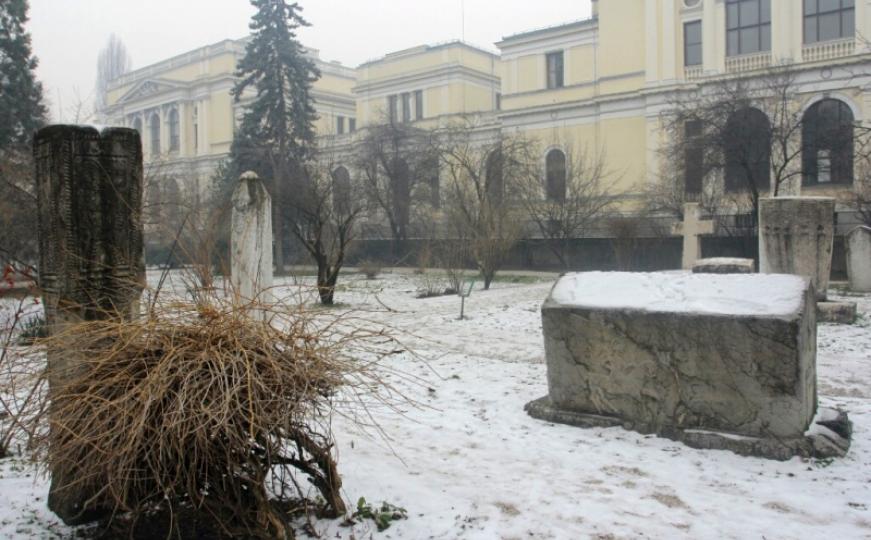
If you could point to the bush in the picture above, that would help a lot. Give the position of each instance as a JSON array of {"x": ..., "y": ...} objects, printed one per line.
[{"x": 206, "y": 408}]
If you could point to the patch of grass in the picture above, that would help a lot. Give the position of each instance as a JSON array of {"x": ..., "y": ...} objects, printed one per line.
[
  {"x": 382, "y": 516},
  {"x": 519, "y": 279},
  {"x": 32, "y": 330}
]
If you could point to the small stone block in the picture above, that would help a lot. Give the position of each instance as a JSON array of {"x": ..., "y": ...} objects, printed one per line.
[
  {"x": 723, "y": 265},
  {"x": 836, "y": 312}
]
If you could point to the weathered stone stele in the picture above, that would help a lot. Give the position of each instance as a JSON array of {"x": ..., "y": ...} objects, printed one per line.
[
  {"x": 715, "y": 361},
  {"x": 796, "y": 236},
  {"x": 251, "y": 264},
  {"x": 91, "y": 259},
  {"x": 723, "y": 265},
  {"x": 859, "y": 259}
]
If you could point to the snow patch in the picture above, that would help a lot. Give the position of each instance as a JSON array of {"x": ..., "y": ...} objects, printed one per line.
[{"x": 771, "y": 295}]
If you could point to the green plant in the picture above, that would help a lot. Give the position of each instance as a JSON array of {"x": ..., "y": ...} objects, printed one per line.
[
  {"x": 382, "y": 516},
  {"x": 32, "y": 330}
]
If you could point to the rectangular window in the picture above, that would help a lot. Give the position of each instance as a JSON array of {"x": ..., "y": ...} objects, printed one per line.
[
  {"x": 748, "y": 26},
  {"x": 340, "y": 125},
  {"x": 826, "y": 20},
  {"x": 392, "y": 102},
  {"x": 352, "y": 125},
  {"x": 406, "y": 107},
  {"x": 498, "y": 101},
  {"x": 555, "y": 69},
  {"x": 418, "y": 105},
  {"x": 692, "y": 43}
]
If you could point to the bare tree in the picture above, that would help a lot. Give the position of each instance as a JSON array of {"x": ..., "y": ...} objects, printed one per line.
[
  {"x": 18, "y": 241},
  {"x": 743, "y": 133},
  {"x": 325, "y": 211},
  {"x": 112, "y": 62},
  {"x": 485, "y": 182},
  {"x": 398, "y": 164},
  {"x": 570, "y": 200},
  {"x": 859, "y": 198}
]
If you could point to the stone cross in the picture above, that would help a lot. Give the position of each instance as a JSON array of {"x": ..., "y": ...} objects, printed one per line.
[
  {"x": 859, "y": 259},
  {"x": 91, "y": 258},
  {"x": 692, "y": 228},
  {"x": 251, "y": 237}
]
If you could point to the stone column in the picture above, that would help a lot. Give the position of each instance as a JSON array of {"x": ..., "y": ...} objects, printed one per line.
[
  {"x": 91, "y": 259},
  {"x": 796, "y": 236},
  {"x": 859, "y": 259},
  {"x": 251, "y": 237}
]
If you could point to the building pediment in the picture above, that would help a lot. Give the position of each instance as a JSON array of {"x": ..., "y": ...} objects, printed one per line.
[{"x": 149, "y": 87}]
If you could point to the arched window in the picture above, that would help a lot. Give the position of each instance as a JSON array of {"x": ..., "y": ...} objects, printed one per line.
[
  {"x": 555, "y": 175},
  {"x": 137, "y": 125},
  {"x": 827, "y": 143},
  {"x": 155, "y": 134},
  {"x": 341, "y": 191},
  {"x": 494, "y": 181},
  {"x": 174, "y": 141},
  {"x": 747, "y": 141}
]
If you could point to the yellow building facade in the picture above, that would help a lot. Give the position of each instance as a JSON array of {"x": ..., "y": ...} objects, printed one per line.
[
  {"x": 599, "y": 86},
  {"x": 184, "y": 111},
  {"x": 603, "y": 84}
]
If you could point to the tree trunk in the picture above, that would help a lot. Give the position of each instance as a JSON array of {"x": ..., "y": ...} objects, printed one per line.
[
  {"x": 488, "y": 276},
  {"x": 326, "y": 283},
  {"x": 278, "y": 240}
]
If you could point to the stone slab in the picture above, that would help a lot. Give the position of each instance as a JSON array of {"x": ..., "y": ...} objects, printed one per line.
[
  {"x": 796, "y": 236},
  {"x": 670, "y": 352},
  {"x": 829, "y": 435},
  {"x": 858, "y": 244},
  {"x": 724, "y": 265},
  {"x": 836, "y": 312}
]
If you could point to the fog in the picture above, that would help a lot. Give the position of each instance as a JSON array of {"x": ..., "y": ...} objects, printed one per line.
[{"x": 68, "y": 34}]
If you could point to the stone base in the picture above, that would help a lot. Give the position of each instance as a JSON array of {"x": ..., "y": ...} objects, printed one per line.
[
  {"x": 836, "y": 312},
  {"x": 724, "y": 265},
  {"x": 828, "y": 437}
]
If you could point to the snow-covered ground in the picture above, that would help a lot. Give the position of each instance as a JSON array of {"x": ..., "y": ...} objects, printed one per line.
[{"x": 467, "y": 462}]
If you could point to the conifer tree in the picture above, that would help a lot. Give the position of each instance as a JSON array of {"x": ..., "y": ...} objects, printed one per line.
[
  {"x": 22, "y": 110},
  {"x": 277, "y": 137}
]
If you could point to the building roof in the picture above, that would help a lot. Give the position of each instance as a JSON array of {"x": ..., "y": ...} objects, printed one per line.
[
  {"x": 428, "y": 48},
  {"x": 580, "y": 23}
]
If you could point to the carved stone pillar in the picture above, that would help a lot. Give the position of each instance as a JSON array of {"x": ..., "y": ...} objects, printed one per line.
[{"x": 91, "y": 260}]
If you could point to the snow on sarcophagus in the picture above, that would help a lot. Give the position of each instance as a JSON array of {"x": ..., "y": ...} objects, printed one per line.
[{"x": 716, "y": 361}]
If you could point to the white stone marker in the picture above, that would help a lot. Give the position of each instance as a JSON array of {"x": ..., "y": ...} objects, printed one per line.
[
  {"x": 691, "y": 229},
  {"x": 251, "y": 238},
  {"x": 796, "y": 236},
  {"x": 859, "y": 259}
]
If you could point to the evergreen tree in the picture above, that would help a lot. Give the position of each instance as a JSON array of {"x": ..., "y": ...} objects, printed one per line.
[
  {"x": 22, "y": 110},
  {"x": 276, "y": 138}
]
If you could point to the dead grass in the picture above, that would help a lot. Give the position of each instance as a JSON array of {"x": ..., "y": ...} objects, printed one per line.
[{"x": 219, "y": 408}]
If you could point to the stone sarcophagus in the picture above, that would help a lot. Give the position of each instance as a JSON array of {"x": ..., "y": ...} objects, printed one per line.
[{"x": 716, "y": 361}]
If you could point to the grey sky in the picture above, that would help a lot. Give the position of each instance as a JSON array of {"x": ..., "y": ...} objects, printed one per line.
[{"x": 67, "y": 34}]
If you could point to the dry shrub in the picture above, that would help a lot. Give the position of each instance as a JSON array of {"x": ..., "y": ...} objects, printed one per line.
[
  {"x": 370, "y": 268},
  {"x": 210, "y": 409},
  {"x": 22, "y": 385}
]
